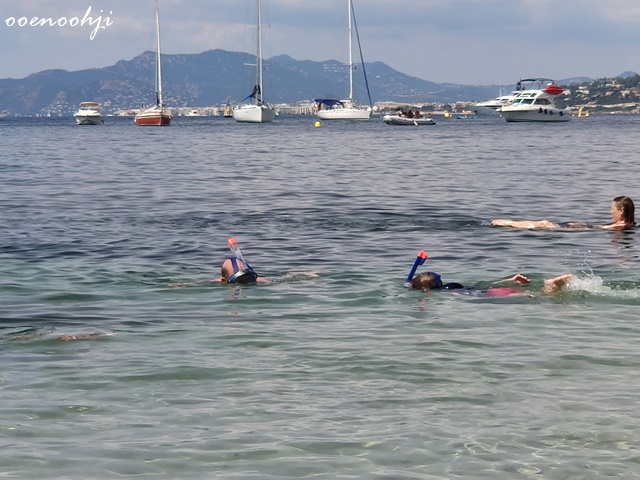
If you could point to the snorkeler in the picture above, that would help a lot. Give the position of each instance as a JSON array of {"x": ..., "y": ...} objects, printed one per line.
[
  {"x": 622, "y": 214},
  {"x": 234, "y": 269},
  {"x": 433, "y": 281}
]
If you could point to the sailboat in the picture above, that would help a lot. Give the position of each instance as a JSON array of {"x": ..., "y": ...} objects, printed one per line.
[
  {"x": 158, "y": 114},
  {"x": 256, "y": 110},
  {"x": 331, "y": 109}
]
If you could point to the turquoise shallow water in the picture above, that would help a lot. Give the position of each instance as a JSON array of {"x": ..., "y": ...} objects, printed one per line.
[{"x": 334, "y": 370}]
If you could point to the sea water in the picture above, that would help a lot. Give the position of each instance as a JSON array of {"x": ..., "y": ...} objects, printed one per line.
[{"x": 120, "y": 359}]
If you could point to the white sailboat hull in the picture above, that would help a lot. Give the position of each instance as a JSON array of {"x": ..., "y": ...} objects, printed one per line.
[
  {"x": 254, "y": 114},
  {"x": 344, "y": 114}
]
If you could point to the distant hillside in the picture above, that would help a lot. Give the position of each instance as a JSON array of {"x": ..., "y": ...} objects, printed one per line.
[{"x": 215, "y": 77}]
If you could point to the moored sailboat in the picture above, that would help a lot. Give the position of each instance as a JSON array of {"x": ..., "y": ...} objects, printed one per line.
[
  {"x": 255, "y": 110},
  {"x": 158, "y": 115},
  {"x": 332, "y": 109}
]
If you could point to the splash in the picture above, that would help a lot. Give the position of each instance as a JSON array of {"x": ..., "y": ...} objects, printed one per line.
[{"x": 595, "y": 285}]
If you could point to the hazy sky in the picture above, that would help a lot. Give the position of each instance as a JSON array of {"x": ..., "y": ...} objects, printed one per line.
[{"x": 471, "y": 42}]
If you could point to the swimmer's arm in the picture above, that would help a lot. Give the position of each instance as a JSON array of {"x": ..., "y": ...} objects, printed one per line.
[
  {"x": 200, "y": 282},
  {"x": 614, "y": 226},
  {"x": 517, "y": 278},
  {"x": 529, "y": 224}
]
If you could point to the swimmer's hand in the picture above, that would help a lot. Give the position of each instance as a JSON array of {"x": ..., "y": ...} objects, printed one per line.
[
  {"x": 520, "y": 279},
  {"x": 517, "y": 278}
]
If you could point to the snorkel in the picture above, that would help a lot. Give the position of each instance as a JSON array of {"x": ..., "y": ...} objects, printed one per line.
[
  {"x": 437, "y": 280},
  {"x": 252, "y": 276},
  {"x": 422, "y": 256}
]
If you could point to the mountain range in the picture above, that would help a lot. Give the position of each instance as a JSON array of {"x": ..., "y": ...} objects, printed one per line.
[{"x": 216, "y": 77}]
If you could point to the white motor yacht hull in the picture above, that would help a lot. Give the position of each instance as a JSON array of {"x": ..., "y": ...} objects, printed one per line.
[
  {"x": 548, "y": 115},
  {"x": 89, "y": 119},
  {"x": 485, "y": 110}
]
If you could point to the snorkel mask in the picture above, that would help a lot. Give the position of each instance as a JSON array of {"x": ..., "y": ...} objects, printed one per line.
[
  {"x": 242, "y": 275},
  {"x": 246, "y": 274}
]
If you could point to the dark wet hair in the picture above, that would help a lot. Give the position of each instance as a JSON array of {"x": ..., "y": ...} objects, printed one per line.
[{"x": 625, "y": 204}]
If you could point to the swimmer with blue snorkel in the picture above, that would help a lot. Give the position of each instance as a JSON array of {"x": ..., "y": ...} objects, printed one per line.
[
  {"x": 433, "y": 281},
  {"x": 622, "y": 214}
]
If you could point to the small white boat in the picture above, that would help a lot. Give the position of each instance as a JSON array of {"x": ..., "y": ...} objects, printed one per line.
[
  {"x": 536, "y": 103},
  {"x": 257, "y": 111},
  {"x": 396, "y": 119},
  {"x": 89, "y": 114}
]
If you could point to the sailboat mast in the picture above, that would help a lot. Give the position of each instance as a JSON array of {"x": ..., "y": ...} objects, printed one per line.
[
  {"x": 259, "y": 55},
  {"x": 350, "y": 55},
  {"x": 158, "y": 63}
]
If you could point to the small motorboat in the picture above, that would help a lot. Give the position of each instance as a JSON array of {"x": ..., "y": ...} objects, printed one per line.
[{"x": 89, "y": 114}]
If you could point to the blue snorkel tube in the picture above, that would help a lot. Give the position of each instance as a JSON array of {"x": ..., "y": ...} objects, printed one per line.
[
  {"x": 248, "y": 270},
  {"x": 422, "y": 256}
]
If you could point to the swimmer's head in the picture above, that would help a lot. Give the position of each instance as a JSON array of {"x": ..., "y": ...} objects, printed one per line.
[
  {"x": 625, "y": 208},
  {"x": 235, "y": 270},
  {"x": 426, "y": 281}
]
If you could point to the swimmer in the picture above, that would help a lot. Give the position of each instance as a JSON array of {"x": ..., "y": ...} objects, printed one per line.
[
  {"x": 234, "y": 269},
  {"x": 622, "y": 214},
  {"x": 63, "y": 338},
  {"x": 433, "y": 281}
]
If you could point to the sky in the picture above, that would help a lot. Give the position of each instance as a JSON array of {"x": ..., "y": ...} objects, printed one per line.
[{"x": 467, "y": 42}]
